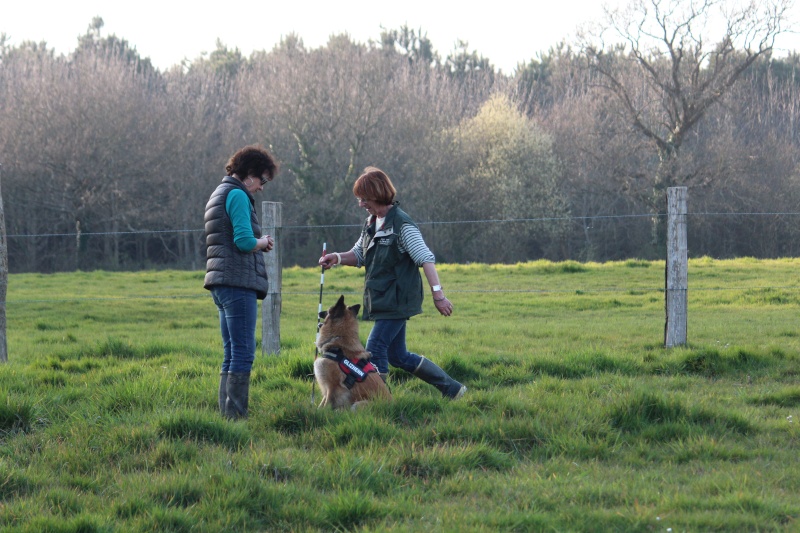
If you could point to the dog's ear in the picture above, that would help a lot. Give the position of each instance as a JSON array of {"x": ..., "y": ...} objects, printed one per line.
[
  {"x": 338, "y": 309},
  {"x": 354, "y": 309}
]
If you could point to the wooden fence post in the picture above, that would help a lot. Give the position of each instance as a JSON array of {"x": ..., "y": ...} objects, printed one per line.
[
  {"x": 677, "y": 278},
  {"x": 271, "y": 306}
]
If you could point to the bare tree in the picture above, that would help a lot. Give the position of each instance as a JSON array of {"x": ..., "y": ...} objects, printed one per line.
[
  {"x": 28, "y": 110},
  {"x": 197, "y": 126},
  {"x": 750, "y": 145},
  {"x": 678, "y": 58},
  {"x": 328, "y": 99},
  {"x": 323, "y": 111}
]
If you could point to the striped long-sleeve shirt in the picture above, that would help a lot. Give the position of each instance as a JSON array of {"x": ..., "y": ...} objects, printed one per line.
[{"x": 411, "y": 242}]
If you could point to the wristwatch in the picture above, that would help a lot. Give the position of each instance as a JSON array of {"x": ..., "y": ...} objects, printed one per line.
[{"x": 436, "y": 288}]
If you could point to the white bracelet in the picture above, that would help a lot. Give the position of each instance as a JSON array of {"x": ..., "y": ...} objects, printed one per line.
[{"x": 338, "y": 258}]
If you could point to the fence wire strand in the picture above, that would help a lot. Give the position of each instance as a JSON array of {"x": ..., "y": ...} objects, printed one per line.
[
  {"x": 581, "y": 219},
  {"x": 627, "y": 290}
]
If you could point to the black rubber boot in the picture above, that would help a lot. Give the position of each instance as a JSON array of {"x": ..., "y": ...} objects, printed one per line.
[
  {"x": 428, "y": 372},
  {"x": 238, "y": 390},
  {"x": 223, "y": 391}
]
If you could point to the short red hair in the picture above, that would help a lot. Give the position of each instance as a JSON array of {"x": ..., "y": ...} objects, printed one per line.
[{"x": 374, "y": 185}]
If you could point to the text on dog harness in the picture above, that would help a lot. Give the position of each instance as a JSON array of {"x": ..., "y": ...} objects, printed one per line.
[{"x": 355, "y": 370}]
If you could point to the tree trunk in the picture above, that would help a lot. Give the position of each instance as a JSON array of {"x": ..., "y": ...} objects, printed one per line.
[{"x": 666, "y": 177}]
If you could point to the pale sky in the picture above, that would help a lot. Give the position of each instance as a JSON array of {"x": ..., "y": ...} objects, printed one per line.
[{"x": 505, "y": 31}]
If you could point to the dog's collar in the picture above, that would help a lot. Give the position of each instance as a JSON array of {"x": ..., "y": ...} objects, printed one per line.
[
  {"x": 323, "y": 345},
  {"x": 333, "y": 352}
]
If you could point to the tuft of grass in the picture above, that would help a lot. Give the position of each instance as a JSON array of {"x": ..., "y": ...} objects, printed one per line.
[
  {"x": 202, "y": 427},
  {"x": 302, "y": 369},
  {"x": 15, "y": 415},
  {"x": 352, "y": 509},
  {"x": 787, "y": 397},
  {"x": 173, "y": 520},
  {"x": 711, "y": 362},
  {"x": 662, "y": 419},
  {"x": 360, "y": 431},
  {"x": 295, "y": 419},
  {"x": 178, "y": 493},
  {"x": 116, "y": 348},
  {"x": 15, "y": 485},
  {"x": 58, "y": 524}
]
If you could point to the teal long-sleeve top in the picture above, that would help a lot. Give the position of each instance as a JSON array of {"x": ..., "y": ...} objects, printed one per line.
[{"x": 238, "y": 207}]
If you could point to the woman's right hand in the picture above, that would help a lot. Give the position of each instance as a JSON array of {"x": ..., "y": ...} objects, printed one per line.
[{"x": 328, "y": 260}]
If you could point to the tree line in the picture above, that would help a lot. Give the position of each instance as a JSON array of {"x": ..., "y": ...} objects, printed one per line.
[{"x": 109, "y": 161}]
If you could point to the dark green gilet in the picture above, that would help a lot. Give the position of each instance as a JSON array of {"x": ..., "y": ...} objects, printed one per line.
[
  {"x": 225, "y": 263},
  {"x": 393, "y": 285}
]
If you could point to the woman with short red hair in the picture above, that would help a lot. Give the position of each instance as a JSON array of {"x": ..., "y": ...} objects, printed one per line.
[{"x": 391, "y": 250}]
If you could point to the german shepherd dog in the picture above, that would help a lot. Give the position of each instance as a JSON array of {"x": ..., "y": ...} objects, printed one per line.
[{"x": 346, "y": 377}]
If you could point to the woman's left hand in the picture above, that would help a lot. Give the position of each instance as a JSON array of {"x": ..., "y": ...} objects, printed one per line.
[{"x": 444, "y": 306}]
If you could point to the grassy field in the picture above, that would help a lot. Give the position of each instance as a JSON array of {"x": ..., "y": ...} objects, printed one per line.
[{"x": 576, "y": 418}]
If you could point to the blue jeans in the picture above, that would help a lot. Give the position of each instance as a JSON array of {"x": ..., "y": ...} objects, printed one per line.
[
  {"x": 387, "y": 344},
  {"x": 238, "y": 313}
]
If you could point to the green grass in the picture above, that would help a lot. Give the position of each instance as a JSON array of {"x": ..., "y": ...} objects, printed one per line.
[{"x": 576, "y": 419}]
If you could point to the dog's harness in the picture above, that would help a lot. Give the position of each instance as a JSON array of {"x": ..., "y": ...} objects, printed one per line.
[{"x": 355, "y": 370}]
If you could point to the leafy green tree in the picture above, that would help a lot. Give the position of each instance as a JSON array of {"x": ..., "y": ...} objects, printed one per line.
[
  {"x": 413, "y": 44},
  {"x": 546, "y": 79},
  {"x": 224, "y": 61},
  {"x": 463, "y": 64},
  {"x": 94, "y": 44},
  {"x": 507, "y": 171}
]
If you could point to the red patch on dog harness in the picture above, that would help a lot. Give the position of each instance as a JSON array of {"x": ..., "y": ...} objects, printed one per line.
[{"x": 355, "y": 369}]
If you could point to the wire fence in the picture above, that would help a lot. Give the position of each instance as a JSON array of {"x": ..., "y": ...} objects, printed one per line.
[
  {"x": 579, "y": 290},
  {"x": 647, "y": 216},
  {"x": 628, "y": 283},
  {"x": 322, "y": 228}
]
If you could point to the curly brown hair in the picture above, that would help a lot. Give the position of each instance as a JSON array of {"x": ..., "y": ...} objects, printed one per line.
[{"x": 252, "y": 160}]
